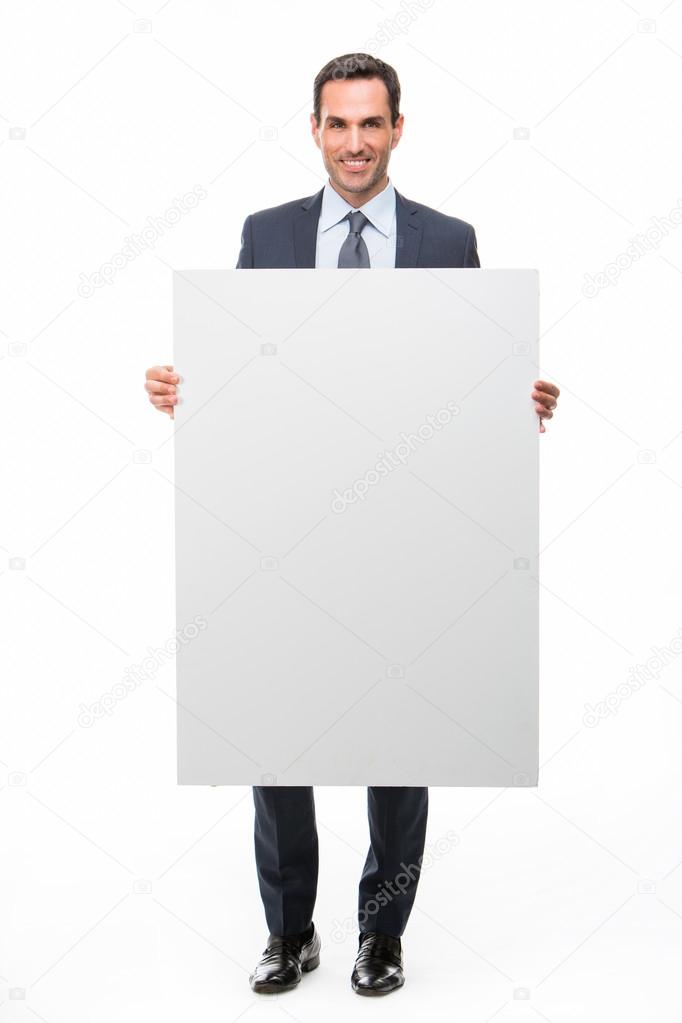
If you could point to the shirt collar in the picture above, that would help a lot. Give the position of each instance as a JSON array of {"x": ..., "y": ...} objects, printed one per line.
[{"x": 379, "y": 210}]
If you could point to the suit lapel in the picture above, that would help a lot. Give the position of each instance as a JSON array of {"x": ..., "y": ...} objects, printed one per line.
[
  {"x": 305, "y": 230},
  {"x": 408, "y": 231}
]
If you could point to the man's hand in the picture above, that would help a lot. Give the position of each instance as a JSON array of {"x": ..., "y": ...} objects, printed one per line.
[
  {"x": 545, "y": 396},
  {"x": 160, "y": 383}
]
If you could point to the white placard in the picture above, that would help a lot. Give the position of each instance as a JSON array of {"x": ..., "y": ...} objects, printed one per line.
[{"x": 356, "y": 468}]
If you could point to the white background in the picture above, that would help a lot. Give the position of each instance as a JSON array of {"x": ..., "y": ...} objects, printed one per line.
[{"x": 125, "y": 897}]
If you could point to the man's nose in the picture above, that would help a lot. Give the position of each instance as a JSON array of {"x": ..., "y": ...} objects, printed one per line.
[{"x": 355, "y": 143}]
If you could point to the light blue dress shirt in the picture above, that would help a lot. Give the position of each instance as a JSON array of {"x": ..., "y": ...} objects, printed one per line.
[{"x": 379, "y": 234}]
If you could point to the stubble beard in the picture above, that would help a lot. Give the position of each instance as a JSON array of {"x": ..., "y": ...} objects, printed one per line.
[{"x": 364, "y": 186}]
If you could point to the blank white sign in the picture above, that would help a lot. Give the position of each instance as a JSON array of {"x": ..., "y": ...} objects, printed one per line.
[{"x": 357, "y": 527}]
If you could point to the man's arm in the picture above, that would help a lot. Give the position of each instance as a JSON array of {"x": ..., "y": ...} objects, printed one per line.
[
  {"x": 471, "y": 250},
  {"x": 245, "y": 260}
]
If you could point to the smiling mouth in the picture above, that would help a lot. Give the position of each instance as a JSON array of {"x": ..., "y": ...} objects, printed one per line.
[{"x": 356, "y": 163}]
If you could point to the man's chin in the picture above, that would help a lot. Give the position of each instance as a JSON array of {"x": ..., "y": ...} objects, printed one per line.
[{"x": 355, "y": 182}]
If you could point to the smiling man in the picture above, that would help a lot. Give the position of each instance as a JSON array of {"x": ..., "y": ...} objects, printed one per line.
[{"x": 358, "y": 219}]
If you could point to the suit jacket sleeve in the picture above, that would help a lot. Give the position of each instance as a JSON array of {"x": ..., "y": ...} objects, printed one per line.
[
  {"x": 471, "y": 250},
  {"x": 245, "y": 259}
]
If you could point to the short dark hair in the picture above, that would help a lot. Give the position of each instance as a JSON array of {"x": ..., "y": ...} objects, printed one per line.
[{"x": 358, "y": 65}]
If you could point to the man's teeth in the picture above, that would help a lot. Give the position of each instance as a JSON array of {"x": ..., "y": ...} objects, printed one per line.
[{"x": 355, "y": 163}]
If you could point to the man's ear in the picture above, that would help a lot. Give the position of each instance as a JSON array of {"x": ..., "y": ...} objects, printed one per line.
[
  {"x": 397, "y": 131},
  {"x": 314, "y": 129}
]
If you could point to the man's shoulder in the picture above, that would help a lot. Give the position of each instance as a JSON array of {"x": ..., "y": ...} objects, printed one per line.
[
  {"x": 445, "y": 240},
  {"x": 437, "y": 220},
  {"x": 442, "y": 222},
  {"x": 284, "y": 211}
]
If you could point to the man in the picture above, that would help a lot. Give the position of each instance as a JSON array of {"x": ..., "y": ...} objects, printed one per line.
[{"x": 357, "y": 219}]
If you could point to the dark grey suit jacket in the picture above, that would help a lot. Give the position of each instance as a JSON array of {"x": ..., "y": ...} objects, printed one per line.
[{"x": 286, "y": 236}]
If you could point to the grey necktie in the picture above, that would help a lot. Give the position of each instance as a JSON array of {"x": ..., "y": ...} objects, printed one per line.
[{"x": 354, "y": 252}]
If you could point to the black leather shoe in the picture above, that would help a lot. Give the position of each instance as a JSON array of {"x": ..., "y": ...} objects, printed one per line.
[
  {"x": 379, "y": 964},
  {"x": 284, "y": 960}
]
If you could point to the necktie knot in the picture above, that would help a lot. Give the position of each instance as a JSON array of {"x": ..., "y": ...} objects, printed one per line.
[
  {"x": 354, "y": 252},
  {"x": 357, "y": 221}
]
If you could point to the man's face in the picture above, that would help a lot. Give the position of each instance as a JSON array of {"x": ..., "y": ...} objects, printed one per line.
[{"x": 355, "y": 122}]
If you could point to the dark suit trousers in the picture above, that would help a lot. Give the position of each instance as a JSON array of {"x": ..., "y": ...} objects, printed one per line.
[{"x": 287, "y": 856}]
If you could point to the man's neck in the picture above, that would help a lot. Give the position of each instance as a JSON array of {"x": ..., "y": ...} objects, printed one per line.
[{"x": 357, "y": 199}]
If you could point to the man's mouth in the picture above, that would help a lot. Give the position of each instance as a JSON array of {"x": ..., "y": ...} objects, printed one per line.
[{"x": 356, "y": 164}]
